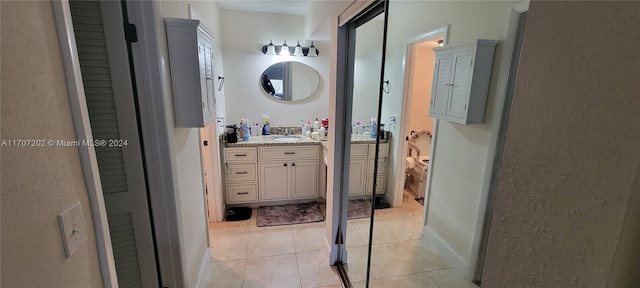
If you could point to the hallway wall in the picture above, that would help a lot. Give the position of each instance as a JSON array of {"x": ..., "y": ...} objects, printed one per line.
[
  {"x": 39, "y": 182},
  {"x": 571, "y": 152}
]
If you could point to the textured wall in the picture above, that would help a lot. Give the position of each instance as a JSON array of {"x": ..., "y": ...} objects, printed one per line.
[
  {"x": 571, "y": 153},
  {"x": 39, "y": 183}
]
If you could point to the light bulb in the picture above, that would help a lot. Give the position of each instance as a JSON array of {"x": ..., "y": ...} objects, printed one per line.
[
  {"x": 271, "y": 49},
  {"x": 284, "y": 51},
  {"x": 312, "y": 51},
  {"x": 298, "y": 51}
]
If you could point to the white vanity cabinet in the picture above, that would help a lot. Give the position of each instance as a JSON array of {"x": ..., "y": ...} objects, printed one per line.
[
  {"x": 461, "y": 82},
  {"x": 241, "y": 178},
  {"x": 381, "y": 176},
  {"x": 361, "y": 169},
  {"x": 192, "y": 80},
  {"x": 358, "y": 169},
  {"x": 288, "y": 172}
]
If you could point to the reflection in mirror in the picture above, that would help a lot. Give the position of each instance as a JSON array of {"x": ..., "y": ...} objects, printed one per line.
[
  {"x": 366, "y": 90},
  {"x": 289, "y": 81}
]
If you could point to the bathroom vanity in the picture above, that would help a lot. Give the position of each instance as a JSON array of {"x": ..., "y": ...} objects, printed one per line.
[{"x": 266, "y": 171}]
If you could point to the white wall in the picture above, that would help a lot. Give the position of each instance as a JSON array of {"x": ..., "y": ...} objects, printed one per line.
[
  {"x": 187, "y": 161},
  {"x": 39, "y": 182},
  {"x": 461, "y": 150},
  {"x": 570, "y": 167},
  {"x": 243, "y": 35},
  {"x": 366, "y": 78}
]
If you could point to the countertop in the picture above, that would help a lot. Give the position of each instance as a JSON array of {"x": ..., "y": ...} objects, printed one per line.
[{"x": 269, "y": 140}]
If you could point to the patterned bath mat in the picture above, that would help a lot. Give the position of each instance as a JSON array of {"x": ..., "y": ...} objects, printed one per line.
[
  {"x": 289, "y": 214},
  {"x": 360, "y": 208}
]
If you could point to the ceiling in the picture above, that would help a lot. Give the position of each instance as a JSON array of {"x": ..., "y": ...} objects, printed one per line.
[{"x": 293, "y": 7}]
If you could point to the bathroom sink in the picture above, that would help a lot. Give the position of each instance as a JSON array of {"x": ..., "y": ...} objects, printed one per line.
[{"x": 287, "y": 139}]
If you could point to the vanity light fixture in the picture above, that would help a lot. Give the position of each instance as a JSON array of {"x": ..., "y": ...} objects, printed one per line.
[
  {"x": 440, "y": 42},
  {"x": 286, "y": 50},
  {"x": 298, "y": 50},
  {"x": 270, "y": 49},
  {"x": 313, "y": 52}
]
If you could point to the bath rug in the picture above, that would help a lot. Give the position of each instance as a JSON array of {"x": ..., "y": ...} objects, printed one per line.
[
  {"x": 360, "y": 208},
  {"x": 289, "y": 214}
]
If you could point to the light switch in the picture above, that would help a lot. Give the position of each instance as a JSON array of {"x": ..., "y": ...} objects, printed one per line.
[{"x": 72, "y": 227}]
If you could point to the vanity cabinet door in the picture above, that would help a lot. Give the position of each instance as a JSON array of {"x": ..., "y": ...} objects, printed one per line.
[
  {"x": 304, "y": 179},
  {"x": 357, "y": 176},
  {"x": 274, "y": 181}
]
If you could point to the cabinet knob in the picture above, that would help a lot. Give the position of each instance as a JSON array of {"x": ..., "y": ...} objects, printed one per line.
[
  {"x": 285, "y": 164},
  {"x": 293, "y": 164}
]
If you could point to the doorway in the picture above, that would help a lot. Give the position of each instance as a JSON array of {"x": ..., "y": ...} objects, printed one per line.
[{"x": 417, "y": 128}]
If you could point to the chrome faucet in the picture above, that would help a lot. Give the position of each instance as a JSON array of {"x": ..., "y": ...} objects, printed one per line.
[{"x": 286, "y": 132}]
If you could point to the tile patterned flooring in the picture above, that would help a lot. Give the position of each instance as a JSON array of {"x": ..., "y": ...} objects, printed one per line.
[{"x": 245, "y": 255}]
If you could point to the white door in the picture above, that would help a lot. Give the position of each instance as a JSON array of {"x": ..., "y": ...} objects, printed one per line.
[
  {"x": 461, "y": 83},
  {"x": 274, "y": 181},
  {"x": 205, "y": 54},
  {"x": 106, "y": 78},
  {"x": 304, "y": 179},
  {"x": 441, "y": 84}
]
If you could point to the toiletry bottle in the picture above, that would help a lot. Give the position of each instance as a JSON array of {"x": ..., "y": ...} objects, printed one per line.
[
  {"x": 266, "y": 128},
  {"x": 308, "y": 128},
  {"x": 372, "y": 127},
  {"x": 316, "y": 125},
  {"x": 304, "y": 128},
  {"x": 322, "y": 133}
]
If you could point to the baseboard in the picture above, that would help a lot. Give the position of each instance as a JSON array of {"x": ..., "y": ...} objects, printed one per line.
[
  {"x": 204, "y": 267},
  {"x": 446, "y": 251}
]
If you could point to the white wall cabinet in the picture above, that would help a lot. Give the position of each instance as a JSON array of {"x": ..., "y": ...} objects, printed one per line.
[
  {"x": 461, "y": 82},
  {"x": 191, "y": 66}
]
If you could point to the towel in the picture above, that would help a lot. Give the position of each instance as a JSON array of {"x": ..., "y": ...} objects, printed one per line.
[{"x": 410, "y": 163}]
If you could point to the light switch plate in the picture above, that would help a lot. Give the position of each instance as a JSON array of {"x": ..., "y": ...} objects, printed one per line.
[{"x": 72, "y": 227}]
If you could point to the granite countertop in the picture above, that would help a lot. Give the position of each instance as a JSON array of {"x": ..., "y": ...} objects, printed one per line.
[{"x": 269, "y": 140}]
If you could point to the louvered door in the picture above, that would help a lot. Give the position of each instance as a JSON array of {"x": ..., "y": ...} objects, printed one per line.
[
  {"x": 106, "y": 77},
  {"x": 441, "y": 77}
]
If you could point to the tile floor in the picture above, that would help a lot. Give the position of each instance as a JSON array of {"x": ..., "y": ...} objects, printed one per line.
[{"x": 245, "y": 255}]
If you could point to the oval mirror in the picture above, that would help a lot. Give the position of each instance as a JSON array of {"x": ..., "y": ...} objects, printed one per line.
[{"x": 289, "y": 81}]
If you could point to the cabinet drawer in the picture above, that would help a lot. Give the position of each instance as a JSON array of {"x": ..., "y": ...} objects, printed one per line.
[
  {"x": 358, "y": 150},
  {"x": 240, "y": 172},
  {"x": 287, "y": 153},
  {"x": 384, "y": 150},
  {"x": 380, "y": 185},
  {"x": 242, "y": 193},
  {"x": 382, "y": 168},
  {"x": 240, "y": 154}
]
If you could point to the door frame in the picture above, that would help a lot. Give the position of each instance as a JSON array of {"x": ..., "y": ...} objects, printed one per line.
[{"x": 82, "y": 127}]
